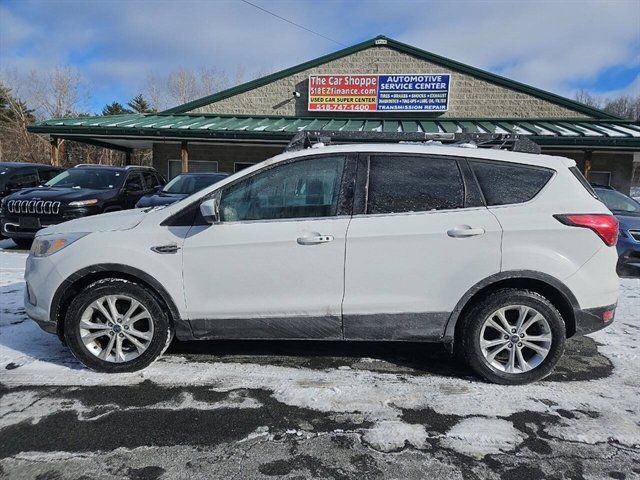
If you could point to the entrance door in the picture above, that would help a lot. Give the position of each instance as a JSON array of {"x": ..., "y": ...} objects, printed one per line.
[
  {"x": 419, "y": 246},
  {"x": 274, "y": 265}
]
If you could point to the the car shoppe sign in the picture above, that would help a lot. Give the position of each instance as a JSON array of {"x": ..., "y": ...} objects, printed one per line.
[{"x": 379, "y": 93}]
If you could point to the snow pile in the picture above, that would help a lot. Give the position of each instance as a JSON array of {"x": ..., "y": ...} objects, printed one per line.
[
  {"x": 478, "y": 437},
  {"x": 393, "y": 435}
]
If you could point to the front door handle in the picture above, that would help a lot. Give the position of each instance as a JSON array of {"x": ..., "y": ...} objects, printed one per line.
[
  {"x": 463, "y": 231},
  {"x": 314, "y": 239}
]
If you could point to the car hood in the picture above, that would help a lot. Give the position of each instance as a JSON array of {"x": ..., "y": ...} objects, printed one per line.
[
  {"x": 60, "y": 194},
  {"x": 161, "y": 198},
  {"x": 629, "y": 222},
  {"x": 106, "y": 222}
]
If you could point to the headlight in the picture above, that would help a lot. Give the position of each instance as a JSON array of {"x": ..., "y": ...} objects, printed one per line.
[
  {"x": 49, "y": 244},
  {"x": 83, "y": 203}
]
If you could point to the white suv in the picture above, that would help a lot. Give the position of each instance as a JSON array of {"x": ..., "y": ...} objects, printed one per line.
[{"x": 500, "y": 255}]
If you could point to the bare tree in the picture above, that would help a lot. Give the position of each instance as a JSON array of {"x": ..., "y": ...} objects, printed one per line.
[
  {"x": 182, "y": 86},
  {"x": 625, "y": 107},
  {"x": 56, "y": 93}
]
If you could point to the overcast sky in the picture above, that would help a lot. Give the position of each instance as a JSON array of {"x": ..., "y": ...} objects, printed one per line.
[{"x": 561, "y": 46}]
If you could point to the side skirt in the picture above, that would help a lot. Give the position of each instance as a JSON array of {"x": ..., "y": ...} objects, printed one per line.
[
  {"x": 301, "y": 328},
  {"x": 410, "y": 327}
]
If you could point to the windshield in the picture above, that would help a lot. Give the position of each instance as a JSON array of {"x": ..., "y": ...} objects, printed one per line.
[
  {"x": 619, "y": 203},
  {"x": 188, "y": 184},
  {"x": 94, "y": 178}
]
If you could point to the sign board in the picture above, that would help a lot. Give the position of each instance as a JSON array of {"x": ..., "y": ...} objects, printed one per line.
[{"x": 423, "y": 92}]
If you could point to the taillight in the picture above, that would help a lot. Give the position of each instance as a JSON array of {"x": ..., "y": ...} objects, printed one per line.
[{"x": 604, "y": 224}]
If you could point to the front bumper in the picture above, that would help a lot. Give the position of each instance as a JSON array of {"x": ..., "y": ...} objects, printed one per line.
[
  {"x": 12, "y": 227},
  {"x": 42, "y": 279},
  {"x": 593, "y": 319}
]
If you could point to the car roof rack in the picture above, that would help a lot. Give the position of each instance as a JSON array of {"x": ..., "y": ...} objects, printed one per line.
[
  {"x": 99, "y": 165},
  {"x": 514, "y": 142}
]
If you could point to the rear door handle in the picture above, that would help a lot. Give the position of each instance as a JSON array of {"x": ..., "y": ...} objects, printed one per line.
[
  {"x": 463, "y": 231},
  {"x": 314, "y": 239}
]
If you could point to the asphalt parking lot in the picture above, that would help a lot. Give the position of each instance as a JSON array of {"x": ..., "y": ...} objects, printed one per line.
[{"x": 237, "y": 410}]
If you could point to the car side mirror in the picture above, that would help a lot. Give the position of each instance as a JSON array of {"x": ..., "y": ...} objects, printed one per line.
[
  {"x": 157, "y": 188},
  {"x": 209, "y": 210}
]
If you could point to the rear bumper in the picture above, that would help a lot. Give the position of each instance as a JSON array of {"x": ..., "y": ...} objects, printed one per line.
[{"x": 593, "y": 319}]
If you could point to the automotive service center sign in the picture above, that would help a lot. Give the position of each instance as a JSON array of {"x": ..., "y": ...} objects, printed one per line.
[{"x": 379, "y": 93}]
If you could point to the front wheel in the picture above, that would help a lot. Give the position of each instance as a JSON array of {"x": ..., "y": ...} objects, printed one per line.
[
  {"x": 116, "y": 326},
  {"x": 513, "y": 337}
]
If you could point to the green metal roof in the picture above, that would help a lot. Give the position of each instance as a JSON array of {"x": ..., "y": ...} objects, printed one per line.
[
  {"x": 605, "y": 133},
  {"x": 410, "y": 50}
]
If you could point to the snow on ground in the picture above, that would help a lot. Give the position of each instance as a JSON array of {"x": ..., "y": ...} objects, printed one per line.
[{"x": 601, "y": 410}]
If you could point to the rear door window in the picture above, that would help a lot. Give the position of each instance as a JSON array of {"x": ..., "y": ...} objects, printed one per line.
[
  {"x": 505, "y": 183},
  {"x": 400, "y": 184}
]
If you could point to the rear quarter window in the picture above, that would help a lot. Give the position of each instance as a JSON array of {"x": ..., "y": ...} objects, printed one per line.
[{"x": 507, "y": 183}]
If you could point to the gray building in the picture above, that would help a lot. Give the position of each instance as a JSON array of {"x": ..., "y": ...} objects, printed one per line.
[{"x": 377, "y": 85}]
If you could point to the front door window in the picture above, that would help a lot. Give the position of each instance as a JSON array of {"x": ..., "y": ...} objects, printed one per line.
[{"x": 303, "y": 189}]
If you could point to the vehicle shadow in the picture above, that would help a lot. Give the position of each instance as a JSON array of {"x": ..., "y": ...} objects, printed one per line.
[{"x": 581, "y": 360}]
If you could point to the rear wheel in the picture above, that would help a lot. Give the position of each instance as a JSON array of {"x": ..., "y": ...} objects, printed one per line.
[
  {"x": 116, "y": 326},
  {"x": 513, "y": 337}
]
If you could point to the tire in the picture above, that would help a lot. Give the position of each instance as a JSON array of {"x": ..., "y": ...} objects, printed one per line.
[
  {"x": 24, "y": 243},
  {"x": 535, "y": 353},
  {"x": 107, "y": 346}
]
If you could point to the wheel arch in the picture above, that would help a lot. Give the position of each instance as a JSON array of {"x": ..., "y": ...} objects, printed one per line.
[
  {"x": 70, "y": 287},
  {"x": 546, "y": 285}
]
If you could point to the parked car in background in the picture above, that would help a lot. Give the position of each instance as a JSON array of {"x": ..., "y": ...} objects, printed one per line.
[
  {"x": 78, "y": 192},
  {"x": 627, "y": 211},
  {"x": 15, "y": 176},
  {"x": 499, "y": 255},
  {"x": 180, "y": 187}
]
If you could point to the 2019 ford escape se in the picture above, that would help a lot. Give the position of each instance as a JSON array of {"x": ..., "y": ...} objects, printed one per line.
[{"x": 500, "y": 255}]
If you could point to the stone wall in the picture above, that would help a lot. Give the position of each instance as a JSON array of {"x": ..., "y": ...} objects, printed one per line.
[{"x": 469, "y": 96}]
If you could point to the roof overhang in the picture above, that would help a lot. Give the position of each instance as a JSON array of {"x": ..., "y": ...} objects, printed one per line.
[{"x": 126, "y": 132}]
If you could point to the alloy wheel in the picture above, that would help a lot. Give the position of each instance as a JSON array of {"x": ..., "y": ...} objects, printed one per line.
[
  {"x": 116, "y": 328},
  {"x": 515, "y": 339}
]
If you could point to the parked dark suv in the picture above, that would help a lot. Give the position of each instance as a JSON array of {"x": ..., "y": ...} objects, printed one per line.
[
  {"x": 15, "y": 176},
  {"x": 77, "y": 192}
]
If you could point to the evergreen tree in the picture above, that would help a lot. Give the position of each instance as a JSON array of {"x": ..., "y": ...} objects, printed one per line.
[
  {"x": 139, "y": 105},
  {"x": 115, "y": 108},
  {"x": 13, "y": 109}
]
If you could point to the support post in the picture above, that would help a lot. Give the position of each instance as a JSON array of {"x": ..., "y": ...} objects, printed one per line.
[
  {"x": 127, "y": 158},
  {"x": 184, "y": 157},
  {"x": 587, "y": 163},
  {"x": 55, "y": 151}
]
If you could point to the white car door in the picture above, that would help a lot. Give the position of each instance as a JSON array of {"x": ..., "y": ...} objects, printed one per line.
[
  {"x": 421, "y": 240},
  {"x": 273, "y": 267}
]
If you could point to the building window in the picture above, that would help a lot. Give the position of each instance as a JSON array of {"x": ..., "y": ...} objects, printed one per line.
[
  {"x": 195, "y": 166},
  {"x": 237, "y": 166},
  {"x": 600, "y": 178}
]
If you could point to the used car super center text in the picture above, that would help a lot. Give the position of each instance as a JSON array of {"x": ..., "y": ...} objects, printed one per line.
[{"x": 511, "y": 333}]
